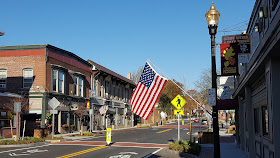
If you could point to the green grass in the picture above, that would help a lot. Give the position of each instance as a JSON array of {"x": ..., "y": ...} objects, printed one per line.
[{"x": 26, "y": 140}]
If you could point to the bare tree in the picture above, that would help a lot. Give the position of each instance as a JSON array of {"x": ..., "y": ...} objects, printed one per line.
[
  {"x": 203, "y": 84},
  {"x": 135, "y": 77},
  {"x": 9, "y": 106}
]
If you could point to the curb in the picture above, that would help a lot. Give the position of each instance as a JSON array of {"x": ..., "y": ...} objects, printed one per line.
[
  {"x": 56, "y": 141},
  {"x": 165, "y": 152},
  {"x": 23, "y": 145}
]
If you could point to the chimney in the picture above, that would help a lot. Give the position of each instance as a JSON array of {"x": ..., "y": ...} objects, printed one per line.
[{"x": 129, "y": 75}]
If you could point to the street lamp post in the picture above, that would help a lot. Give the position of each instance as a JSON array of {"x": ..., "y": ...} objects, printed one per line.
[{"x": 212, "y": 17}]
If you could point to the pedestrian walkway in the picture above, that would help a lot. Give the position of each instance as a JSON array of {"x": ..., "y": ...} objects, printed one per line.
[{"x": 228, "y": 147}]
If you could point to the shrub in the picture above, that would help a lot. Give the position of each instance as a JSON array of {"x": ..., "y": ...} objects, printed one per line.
[
  {"x": 184, "y": 146},
  {"x": 50, "y": 137},
  {"x": 88, "y": 134},
  {"x": 179, "y": 145},
  {"x": 194, "y": 148}
]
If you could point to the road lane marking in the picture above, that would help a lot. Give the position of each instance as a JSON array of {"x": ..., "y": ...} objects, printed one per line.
[
  {"x": 23, "y": 149},
  {"x": 165, "y": 130},
  {"x": 82, "y": 152},
  {"x": 151, "y": 154}
]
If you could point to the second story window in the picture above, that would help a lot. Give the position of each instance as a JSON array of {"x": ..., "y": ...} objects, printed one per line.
[
  {"x": 3, "y": 78},
  {"x": 58, "y": 79},
  {"x": 27, "y": 78},
  {"x": 78, "y": 86}
]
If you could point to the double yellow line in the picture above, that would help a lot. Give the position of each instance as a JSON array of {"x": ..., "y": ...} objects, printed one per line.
[
  {"x": 82, "y": 152},
  {"x": 165, "y": 130}
]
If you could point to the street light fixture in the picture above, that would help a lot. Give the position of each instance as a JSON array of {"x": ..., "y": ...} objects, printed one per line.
[
  {"x": 212, "y": 17},
  {"x": 2, "y": 33}
]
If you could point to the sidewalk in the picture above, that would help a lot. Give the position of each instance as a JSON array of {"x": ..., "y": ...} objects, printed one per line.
[{"x": 228, "y": 147}]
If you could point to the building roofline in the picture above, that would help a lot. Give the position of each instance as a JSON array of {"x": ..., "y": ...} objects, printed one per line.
[
  {"x": 106, "y": 70},
  {"x": 41, "y": 46}
]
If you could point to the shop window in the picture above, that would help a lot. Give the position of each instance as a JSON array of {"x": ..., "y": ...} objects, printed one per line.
[
  {"x": 27, "y": 78},
  {"x": 3, "y": 78},
  {"x": 265, "y": 123}
]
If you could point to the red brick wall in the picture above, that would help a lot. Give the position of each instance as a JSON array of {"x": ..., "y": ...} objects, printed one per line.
[
  {"x": 15, "y": 65},
  {"x": 69, "y": 76}
]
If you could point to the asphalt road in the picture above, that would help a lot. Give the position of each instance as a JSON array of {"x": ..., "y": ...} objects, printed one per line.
[{"x": 134, "y": 143}]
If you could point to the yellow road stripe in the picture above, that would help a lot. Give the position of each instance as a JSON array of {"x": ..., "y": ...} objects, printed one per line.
[
  {"x": 165, "y": 130},
  {"x": 82, "y": 152}
]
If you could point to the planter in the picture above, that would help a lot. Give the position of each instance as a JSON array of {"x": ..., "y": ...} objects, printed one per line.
[
  {"x": 6, "y": 132},
  {"x": 38, "y": 133},
  {"x": 205, "y": 137}
]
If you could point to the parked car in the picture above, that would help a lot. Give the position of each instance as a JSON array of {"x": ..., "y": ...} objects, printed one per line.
[
  {"x": 204, "y": 121},
  {"x": 196, "y": 120}
]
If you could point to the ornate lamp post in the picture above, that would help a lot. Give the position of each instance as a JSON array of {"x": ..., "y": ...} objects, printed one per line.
[{"x": 212, "y": 17}]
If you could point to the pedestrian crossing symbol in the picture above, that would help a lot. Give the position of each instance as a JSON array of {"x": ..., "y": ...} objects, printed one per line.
[{"x": 178, "y": 102}]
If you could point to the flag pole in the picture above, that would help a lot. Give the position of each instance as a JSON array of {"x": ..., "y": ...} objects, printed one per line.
[{"x": 178, "y": 86}]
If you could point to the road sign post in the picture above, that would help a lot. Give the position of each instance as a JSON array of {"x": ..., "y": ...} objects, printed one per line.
[
  {"x": 17, "y": 109},
  {"x": 54, "y": 104},
  {"x": 178, "y": 102},
  {"x": 53, "y": 112},
  {"x": 90, "y": 119}
]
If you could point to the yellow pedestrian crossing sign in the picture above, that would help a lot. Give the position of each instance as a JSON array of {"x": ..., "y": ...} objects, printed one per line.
[
  {"x": 178, "y": 102},
  {"x": 178, "y": 112}
]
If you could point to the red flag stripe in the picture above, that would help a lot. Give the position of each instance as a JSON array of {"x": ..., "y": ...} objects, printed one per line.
[
  {"x": 136, "y": 97},
  {"x": 142, "y": 94},
  {"x": 147, "y": 100},
  {"x": 155, "y": 99},
  {"x": 146, "y": 97},
  {"x": 139, "y": 95}
]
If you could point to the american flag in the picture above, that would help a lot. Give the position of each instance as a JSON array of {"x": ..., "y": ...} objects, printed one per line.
[
  {"x": 147, "y": 92},
  {"x": 102, "y": 110}
]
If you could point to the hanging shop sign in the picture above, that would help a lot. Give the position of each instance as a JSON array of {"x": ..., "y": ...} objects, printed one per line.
[
  {"x": 229, "y": 59},
  {"x": 243, "y": 42}
]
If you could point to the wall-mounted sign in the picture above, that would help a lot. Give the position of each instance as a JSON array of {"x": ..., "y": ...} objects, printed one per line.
[
  {"x": 88, "y": 104},
  {"x": 92, "y": 93},
  {"x": 226, "y": 81},
  {"x": 243, "y": 58}
]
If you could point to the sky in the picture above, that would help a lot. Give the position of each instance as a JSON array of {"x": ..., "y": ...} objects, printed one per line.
[{"x": 122, "y": 34}]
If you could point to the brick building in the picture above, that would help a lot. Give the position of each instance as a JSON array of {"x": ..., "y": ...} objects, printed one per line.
[
  {"x": 112, "y": 91},
  {"x": 42, "y": 72}
]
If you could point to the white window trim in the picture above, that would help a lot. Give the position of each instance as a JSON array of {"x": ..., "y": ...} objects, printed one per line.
[
  {"x": 23, "y": 82},
  {"x": 57, "y": 81},
  {"x": 4, "y": 85},
  {"x": 78, "y": 86}
]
